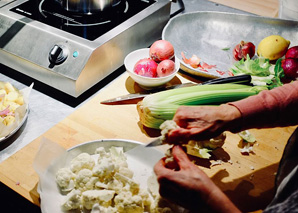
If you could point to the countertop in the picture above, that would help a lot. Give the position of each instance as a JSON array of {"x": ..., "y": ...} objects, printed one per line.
[{"x": 47, "y": 111}]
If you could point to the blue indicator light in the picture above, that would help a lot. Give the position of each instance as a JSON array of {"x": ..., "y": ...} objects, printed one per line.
[{"x": 75, "y": 54}]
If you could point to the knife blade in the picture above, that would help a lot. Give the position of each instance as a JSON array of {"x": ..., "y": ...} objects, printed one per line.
[
  {"x": 155, "y": 142},
  {"x": 127, "y": 99},
  {"x": 135, "y": 97}
]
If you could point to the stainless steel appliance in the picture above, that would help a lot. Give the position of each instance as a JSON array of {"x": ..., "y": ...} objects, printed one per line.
[
  {"x": 88, "y": 6},
  {"x": 70, "y": 51}
]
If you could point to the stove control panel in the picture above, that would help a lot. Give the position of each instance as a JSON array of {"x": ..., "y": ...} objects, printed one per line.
[{"x": 58, "y": 54}]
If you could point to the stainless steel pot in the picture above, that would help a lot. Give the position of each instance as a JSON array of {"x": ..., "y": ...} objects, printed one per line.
[{"x": 88, "y": 6}]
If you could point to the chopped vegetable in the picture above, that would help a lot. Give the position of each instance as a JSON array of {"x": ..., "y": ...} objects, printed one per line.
[
  {"x": 198, "y": 151},
  {"x": 10, "y": 100},
  {"x": 161, "y": 106},
  {"x": 248, "y": 148},
  {"x": 198, "y": 148},
  {"x": 247, "y": 136}
]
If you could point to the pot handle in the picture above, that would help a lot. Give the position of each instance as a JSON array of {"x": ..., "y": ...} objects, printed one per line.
[{"x": 181, "y": 7}]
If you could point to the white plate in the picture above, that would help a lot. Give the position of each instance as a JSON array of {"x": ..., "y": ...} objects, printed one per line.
[{"x": 140, "y": 160}]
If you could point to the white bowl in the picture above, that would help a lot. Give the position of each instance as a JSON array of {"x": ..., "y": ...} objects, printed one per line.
[{"x": 146, "y": 82}]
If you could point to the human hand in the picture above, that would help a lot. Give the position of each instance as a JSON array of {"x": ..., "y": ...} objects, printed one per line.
[
  {"x": 190, "y": 187},
  {"x": 203, "y": 122}
]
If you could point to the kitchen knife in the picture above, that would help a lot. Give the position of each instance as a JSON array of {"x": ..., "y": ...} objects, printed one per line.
[
  {"x": 126, "y": 99},
  {"x": 155, "y": 142}
]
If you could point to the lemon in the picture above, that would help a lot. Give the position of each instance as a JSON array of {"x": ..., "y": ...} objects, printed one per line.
[{"x": 273, "y": 47}]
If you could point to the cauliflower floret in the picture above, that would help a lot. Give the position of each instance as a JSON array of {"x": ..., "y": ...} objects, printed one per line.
[
  {"x": 147, "y": 200},
  {"x": 65, "y": 179},
  {"x": 126, "y": 172},
  {"x": 82, "y": 161},
  {"x": 165, "y": 127},
  {"x": 85, "y": 180},
  {"x": 128, "y": 203},
  {"x": 130, "y": 184},
  {"x": 72, "y": 200},
  {"x": 102, "y": 197},
  {"x": 153, "y": 186},
  {"x": 101, "y": 185},
  {"x": 115, "y": 185},
  {"x": 104, "y": 169},
  {"x": 102, "y": 153},
  {"x": 118, "y": 157},
  {"x": 100, "y": 209}
]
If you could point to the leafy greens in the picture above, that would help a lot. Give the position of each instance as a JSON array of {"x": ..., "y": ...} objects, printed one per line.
[{"x": 262, "y": 72}]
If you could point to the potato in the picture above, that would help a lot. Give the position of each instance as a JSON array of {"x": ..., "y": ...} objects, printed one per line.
[
  {"x": 8, "y": 120},
  {"x": 8, "y": 87},
  {"x": 12, "y": 96}
]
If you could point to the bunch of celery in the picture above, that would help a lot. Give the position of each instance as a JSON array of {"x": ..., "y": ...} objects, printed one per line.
[{"x": 161, "y": 106}]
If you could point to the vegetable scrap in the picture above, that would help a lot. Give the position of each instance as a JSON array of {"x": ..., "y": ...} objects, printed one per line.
[
  {"x": 249, "y": 141},
  {"x": 247, "y": 136},
  {"x": 217, "y": 162},
  {"x": 195, "y": 62},
  {"x": 226, "y": 48},
  {"x": 248, "y": 148},
  {"x": 196, "y": 148},
  {"x": 251, "y": 176}
]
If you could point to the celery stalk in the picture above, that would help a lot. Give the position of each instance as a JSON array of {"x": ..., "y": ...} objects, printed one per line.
[{"x": 161, "y": 106}]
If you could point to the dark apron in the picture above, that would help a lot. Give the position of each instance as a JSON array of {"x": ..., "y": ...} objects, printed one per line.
[{"x": 286, "y": 197}]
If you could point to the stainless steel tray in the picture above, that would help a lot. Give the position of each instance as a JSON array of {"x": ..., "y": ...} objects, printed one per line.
[{"x": 212, "y": 36}]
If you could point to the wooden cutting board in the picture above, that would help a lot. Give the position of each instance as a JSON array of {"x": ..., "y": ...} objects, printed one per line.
[
  {"x": 268, "y": 8},
  {"x": 247, "y": 179}
]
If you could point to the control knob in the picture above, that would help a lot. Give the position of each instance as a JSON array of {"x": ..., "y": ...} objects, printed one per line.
[{"x": 58, "y": 54}]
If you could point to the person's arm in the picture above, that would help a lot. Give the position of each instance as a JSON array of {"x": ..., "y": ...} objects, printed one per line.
[
  {"x": 190, "y": 187},
  {"x": 272, "y": 108}
]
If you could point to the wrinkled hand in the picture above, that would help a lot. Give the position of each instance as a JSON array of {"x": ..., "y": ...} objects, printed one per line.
[
  {"x": 203, "y": 122},
  {"x": 190, "y": 187}
]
